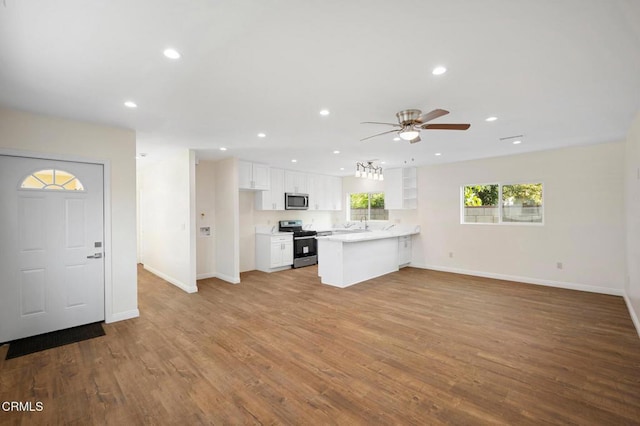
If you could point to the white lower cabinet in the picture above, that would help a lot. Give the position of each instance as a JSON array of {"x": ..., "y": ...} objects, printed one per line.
[
  {"x": 274, "y": 252},
  {"x": 404, "y": 250}
]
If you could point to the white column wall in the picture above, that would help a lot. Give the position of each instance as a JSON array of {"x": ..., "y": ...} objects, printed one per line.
[
  {"x": 632, "y": 207},
  {"x": 167, "y": 218},
  {"x": 227, "y": 221}
]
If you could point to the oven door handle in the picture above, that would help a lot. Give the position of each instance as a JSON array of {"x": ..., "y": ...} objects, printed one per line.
[{"x": 304, "y": 238}]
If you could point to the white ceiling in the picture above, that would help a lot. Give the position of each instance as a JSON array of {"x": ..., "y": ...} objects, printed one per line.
[{"x": 558, "y": 72}]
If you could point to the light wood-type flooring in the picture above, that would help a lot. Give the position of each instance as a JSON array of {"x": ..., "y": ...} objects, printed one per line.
[{"x": 412, "y": 347}]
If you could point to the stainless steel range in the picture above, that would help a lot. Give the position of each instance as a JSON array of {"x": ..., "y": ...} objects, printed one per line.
[{"x": 305, "y": 247}]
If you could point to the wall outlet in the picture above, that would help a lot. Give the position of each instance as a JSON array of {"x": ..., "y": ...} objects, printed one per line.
[
  {"x": 450, "y": 254},
  {"x": 559, "y": 265},
  {"x": 398, "y": 220}
]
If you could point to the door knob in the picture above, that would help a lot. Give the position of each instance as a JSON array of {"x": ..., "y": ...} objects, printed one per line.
[{"x": 95, "y": 256}]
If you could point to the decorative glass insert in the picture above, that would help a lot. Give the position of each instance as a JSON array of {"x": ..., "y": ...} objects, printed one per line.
[{"x": 52, "y": 179}]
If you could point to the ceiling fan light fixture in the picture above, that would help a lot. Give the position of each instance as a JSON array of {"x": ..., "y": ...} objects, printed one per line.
[{"x": 408, "y": 135}]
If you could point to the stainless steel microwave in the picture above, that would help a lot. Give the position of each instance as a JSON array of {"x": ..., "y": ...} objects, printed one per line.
[{"x": 296, "y": 201}]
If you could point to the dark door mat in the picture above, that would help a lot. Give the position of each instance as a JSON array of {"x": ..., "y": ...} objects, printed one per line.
[{"x": 29, "y": 345}]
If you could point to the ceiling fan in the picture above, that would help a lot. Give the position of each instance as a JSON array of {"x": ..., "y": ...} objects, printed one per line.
[{"x": 411, "y": 121}]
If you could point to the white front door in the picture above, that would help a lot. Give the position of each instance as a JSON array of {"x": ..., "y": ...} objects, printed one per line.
[{"x": 51, "y": 245}]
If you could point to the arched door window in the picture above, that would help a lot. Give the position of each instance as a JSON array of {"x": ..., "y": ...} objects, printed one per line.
[{"x": 53, "y": 179}]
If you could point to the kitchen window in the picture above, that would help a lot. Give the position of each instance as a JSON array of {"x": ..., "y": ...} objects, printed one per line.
[
  {"x": 367, "y": 206},
  {"x": 517, "y": 203}
]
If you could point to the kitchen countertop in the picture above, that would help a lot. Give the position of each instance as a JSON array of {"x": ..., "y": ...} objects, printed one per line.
[{"x": 361, "y": 235}]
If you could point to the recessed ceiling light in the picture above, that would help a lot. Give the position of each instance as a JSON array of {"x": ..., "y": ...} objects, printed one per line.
[
  {"x": 517, "y": 142},
  {"x": 438, "y": 154},
  {"x": 341, "y": 168},
  {"x": 324, "y": 112},
  {"x": 171, "y": 53},
  {"x": 294, "y": 161},
  {"x": 396, "y": 139},
  {"x": 130, "y": 104},
  {"x": 336, "y": 152},
  {"x": 223, "y": 148},
  {"x": 491, "y": 119},
  {"x": 262, "y": 135},
  {"x": 439, "y": 70},
  {"x": 383, "y": 162}
]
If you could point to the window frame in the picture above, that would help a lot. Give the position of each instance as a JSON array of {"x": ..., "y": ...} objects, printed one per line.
[
  {"x": 500, "y": 205},
  {"x": 348, "y": 203}
]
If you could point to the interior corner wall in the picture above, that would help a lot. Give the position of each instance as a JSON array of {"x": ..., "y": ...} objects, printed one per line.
[
  {"x": 583, "y": 220},
  {"x": 33, "y": 133},
  {"x": 227, "y": 235},
  {"x": 205, "y": 219},
  {"x": 167, "y": 218},
  {"x": 632, "y": 220}
]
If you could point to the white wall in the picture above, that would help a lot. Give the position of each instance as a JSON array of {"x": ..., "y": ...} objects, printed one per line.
[
  {"x": 90, "y": 142},
  {"x": 205, "y": 217},
  {"x": 227, "y": 220},
  {"x": 583, "y": 208},
  {"x": 167, "y": 218},
  {"x": 632, "y": 207}
]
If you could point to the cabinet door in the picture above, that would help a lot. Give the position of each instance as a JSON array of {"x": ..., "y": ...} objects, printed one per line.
[
  {"x": 335, "y": 193},
  {"x": 287, "y": 253},
  {"x": 404, "y": 250},
  {"x": 323, "y": 188},
  {"x": 261, "y": 179},
  {"x": 317, "y": 196},
  {"x": 245, "y": 175},
  {"x": 276, "y": 253},
  {"x": 277, "y": 189},
  {"x": 295, "y": 182},
  {"x": 393, "y": 194},
  {"x": 272, "y": 199}
]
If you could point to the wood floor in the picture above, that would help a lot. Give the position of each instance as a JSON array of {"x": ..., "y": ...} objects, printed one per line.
[{"x": 413, "y": 347}]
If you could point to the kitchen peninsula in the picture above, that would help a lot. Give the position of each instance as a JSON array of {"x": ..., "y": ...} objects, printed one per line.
[{"x": 347, "y": 259}]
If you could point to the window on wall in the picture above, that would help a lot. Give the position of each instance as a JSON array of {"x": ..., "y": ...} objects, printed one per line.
[
  {"x": 367, "y": 206},
  {"x": 519, "y": 203},
  {"x": 52, "y": 179}
]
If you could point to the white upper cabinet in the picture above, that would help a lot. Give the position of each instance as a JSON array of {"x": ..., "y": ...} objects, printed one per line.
[
  {"x": 400, "y": 188},
  {"x": 253, "y": 176},
  {"x": 273, "y": 199},
  {"x": 295, "y": 182},
  {"x": 325, "y": 192}
]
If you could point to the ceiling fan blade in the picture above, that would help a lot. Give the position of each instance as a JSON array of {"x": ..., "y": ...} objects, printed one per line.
[
  {"x": 432, "y": 115},
  {"x": 445, "y": 126},
  {"x": 416, "y": 139},
  {"x": 379, "y": 134},
  {"x": 377, "y": 122}
]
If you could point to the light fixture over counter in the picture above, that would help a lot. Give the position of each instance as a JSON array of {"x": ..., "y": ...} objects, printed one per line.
[{"x": 367, "y": 170}]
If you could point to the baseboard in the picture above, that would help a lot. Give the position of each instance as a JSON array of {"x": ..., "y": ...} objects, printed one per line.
[
  {"x": 205, "y": 276},
  {"x": 228, "y": 278},
  {"x": 632, "y": 312},
  {"x": 177, "y": 283},
  {"x": 527, "y": 280},
  {"x": 121, "y": 316}
]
